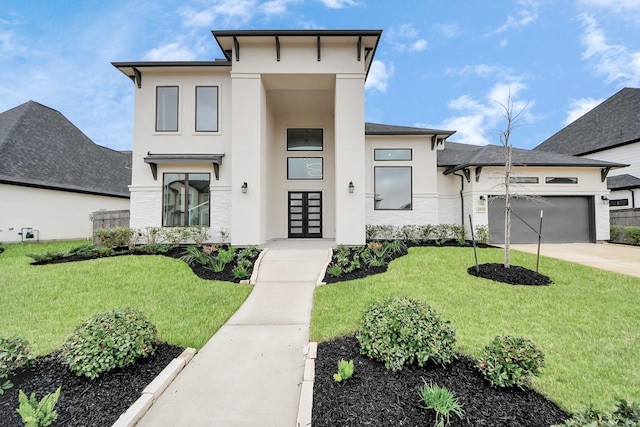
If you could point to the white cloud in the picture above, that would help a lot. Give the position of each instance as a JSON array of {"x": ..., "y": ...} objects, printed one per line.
[
  {"x": 615, "y": 5},
  {"x": 418, "y": 46},
  {"x": 614, "y": 61},
  {"x": 338, "y": 4},
  {"x": 378, "y": 77},
  {"x": 579, "y": 107},
  {"x": 170, "y": 52},
  {"x": 485, "y": 71},
  {"x": 477, "y": 121},
  {"x": 524, "y": 18},
  {"x": 448, "y": 30}
]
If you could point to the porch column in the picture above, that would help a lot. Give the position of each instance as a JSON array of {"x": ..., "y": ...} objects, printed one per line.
[
  {"x": 248, "y": 143},
  {"x": 350, "y": 159}
]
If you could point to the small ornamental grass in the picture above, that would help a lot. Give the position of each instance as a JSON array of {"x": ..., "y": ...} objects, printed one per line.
[
  {"x": 109, "y": 340},
  {"x": 401, "y": 331},
  {"x": 510, "y": 361},
  {"x": 442, "y": 401}
]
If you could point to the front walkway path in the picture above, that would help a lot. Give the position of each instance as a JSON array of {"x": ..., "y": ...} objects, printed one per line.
[{"x": 250, "y": 372}]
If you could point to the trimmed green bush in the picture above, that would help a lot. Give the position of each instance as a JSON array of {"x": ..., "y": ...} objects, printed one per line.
[
  {"x": 114, "y": 237},
  {"x": 625, "y": 414},
  {"x": 510, "y": 361},
  {"x": 109, "y": 340},
  {"x": 14, "y": 353},
  {"x": 400, "y": 331}
]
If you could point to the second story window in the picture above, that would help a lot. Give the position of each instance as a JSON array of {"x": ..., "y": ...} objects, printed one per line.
[
  {"x": 206, "y": 109},
  {"x": 167, "y": 109}
]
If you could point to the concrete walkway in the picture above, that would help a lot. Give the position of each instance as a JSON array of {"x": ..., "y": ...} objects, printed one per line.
[
  {"x": 250, "y": 372},
  {"x": 618, "y": 258}
]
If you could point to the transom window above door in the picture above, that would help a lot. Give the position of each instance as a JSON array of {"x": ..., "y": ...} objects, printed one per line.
[{"x": 304, "y": 139}]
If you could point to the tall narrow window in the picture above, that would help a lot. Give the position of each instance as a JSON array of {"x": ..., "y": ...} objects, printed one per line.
[
  {"x": 206, "y": 108},
  {"x": 185, "y": 199},
  {"x": 392, "y": 188},
  {"x": 167, "y": 108}
]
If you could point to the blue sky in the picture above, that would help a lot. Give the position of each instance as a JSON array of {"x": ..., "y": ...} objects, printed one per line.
[{"x": 441, "y": 64}]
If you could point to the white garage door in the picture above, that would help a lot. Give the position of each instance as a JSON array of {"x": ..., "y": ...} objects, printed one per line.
[{"x": 566, "y": 219}]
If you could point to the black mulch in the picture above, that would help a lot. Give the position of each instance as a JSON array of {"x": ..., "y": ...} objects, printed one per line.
[
  {"x": 513, "y": 275},
  {"x": 84, "y": 402},
  {"x": 375, "y": 396}
]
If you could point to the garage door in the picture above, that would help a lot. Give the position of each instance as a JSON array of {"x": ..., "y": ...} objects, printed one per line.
[{"x": 566, "y": 220}]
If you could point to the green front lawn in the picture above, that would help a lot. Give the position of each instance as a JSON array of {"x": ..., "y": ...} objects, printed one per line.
[
  {"x": 46, "y": 303},
  {"x": 587, "y": 322}
]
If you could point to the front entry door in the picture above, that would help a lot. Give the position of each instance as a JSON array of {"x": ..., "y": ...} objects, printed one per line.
[{"x": 305, "y": 214}]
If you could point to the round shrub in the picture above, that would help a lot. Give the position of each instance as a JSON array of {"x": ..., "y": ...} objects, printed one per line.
[
  {"x": 510, "y": 361},
  {"x": 109, "y": 340},
  {"x": 400, "y": 331}
]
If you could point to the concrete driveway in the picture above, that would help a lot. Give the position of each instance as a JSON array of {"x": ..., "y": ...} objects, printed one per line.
[{"x": 619, "y": 258}]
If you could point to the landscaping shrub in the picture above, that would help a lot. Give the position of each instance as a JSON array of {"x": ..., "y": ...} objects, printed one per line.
[
  {"x": 625, "y": 414},
  {"x": 91, "y": 251},
  {"x": 114, "y": 237},
  {"x": 616, "y": 232},
  {"x": 510, "y": 361},
  {"x": 400, "y": 331},
  {"x": 345, "y": 371},
  {"x": 14, "y": 353},
  {"x": 633, "y": 235},
  {"x": 482, "y": 234},
  {"x": 47, "y": 256},
  {"x": 109, "y": 340}
]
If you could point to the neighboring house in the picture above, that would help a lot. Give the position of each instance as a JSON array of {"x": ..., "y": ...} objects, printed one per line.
[
  {"x": 52, "y": 176},
  {"x": 611, "y": 132},
  {"x": 270, "y": 143}
]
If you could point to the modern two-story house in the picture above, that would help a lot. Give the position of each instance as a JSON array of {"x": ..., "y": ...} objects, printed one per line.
[{"x": 270, "y": 142}]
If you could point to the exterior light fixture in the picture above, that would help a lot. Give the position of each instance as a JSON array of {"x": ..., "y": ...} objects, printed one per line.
[
  {"x": 605, "y": 199},
  {"x": 483, "y": 200},
  {"x": 351, "y": 187},
  {"x": 244, "y": 187}
]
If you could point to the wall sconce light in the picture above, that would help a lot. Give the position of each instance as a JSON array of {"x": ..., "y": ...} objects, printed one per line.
[
  {"x": 605, "y": 199},
  {"x": 244, "y": 188},
  {"x": 351, "y": 187},
  {"x": 483, "y": 200}
]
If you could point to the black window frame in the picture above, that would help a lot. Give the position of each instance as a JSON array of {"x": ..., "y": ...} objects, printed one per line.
[
  {"x": 306, "y": 179},
  {"x": 524, "y": 180},
  {"x": 306, "y": 129},
  {"x": 376, "y": 150},
  {"x": 177, "y": 118},
  {"x": 619, "y": 202},
  {"x": 375, "y": 192},
  {"x": 217, "y": 127},
  {"x": 570, "y": 180},
  {"x": 186, "y": 213}
]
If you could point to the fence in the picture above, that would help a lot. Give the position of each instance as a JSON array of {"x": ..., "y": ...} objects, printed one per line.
[
  {"x": 625, "y": 217},
  {"x": 109, "y": 219}
]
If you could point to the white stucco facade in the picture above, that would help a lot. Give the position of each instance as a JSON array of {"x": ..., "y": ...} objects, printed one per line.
[{"x": 48, "y": 213}]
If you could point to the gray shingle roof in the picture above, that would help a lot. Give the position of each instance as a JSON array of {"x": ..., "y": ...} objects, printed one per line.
[
  {"x": 39, "y": 147},
  {"x": 623, "y": 182},
  {"x": 380, "y": 129},
  {"x": 613, "y": 123},
  {"x": 456, "y": 156}
]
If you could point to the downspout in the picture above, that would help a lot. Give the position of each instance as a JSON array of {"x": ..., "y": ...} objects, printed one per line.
[
  {"x": 633, "y": 198},
  {"x": 461, "y": 197}
]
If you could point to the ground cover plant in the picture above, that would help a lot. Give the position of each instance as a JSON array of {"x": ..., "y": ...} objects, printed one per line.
[{"x": 585, "y": 322}]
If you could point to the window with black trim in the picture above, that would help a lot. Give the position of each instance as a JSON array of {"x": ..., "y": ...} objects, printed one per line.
[
  {"x": 305, "y": 168},
  {"x": 387, "y": 154},
  {"x": 206, "y": 108},
  {"x": 524, "y": 180},
  {"x": 304, "y": 139},
  {"x": 167, "y": 108},
  {"x": 619, "y": 202},
  {"x": 185, "y": 199},
  {"x": 560, "y": 180},
  {"x": 392, "y": 187}
]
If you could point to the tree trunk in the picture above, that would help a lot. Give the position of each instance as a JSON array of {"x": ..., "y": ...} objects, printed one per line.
[{"x": 507, "y": 208}]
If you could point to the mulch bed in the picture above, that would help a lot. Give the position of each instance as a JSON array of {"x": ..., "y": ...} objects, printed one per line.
[
  {"x": 375, "y": 396},
  {"x": 84, "y": 402},
  {"x": 513, "y": 275}
]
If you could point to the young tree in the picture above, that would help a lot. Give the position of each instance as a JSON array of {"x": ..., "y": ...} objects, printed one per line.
[{"x": 505, "y": 136}]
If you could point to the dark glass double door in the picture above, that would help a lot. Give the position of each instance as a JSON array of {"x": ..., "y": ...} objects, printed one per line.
[{"x": 305, "y": 214}]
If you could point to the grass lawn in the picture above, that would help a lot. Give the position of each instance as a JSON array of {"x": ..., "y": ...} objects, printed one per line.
[
  {"x": 46, "y": 303},
  {"x": 587, "y": 322}
]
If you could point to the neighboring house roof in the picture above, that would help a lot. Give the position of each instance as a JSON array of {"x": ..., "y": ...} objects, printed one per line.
[
  {"x": 456, "y": 156},
  {"x": 623, "y": 182},
  {"x": 39, "y": 147},
  {"x": 613, "y": 123},
  {"x": 380, "y": 129}
]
